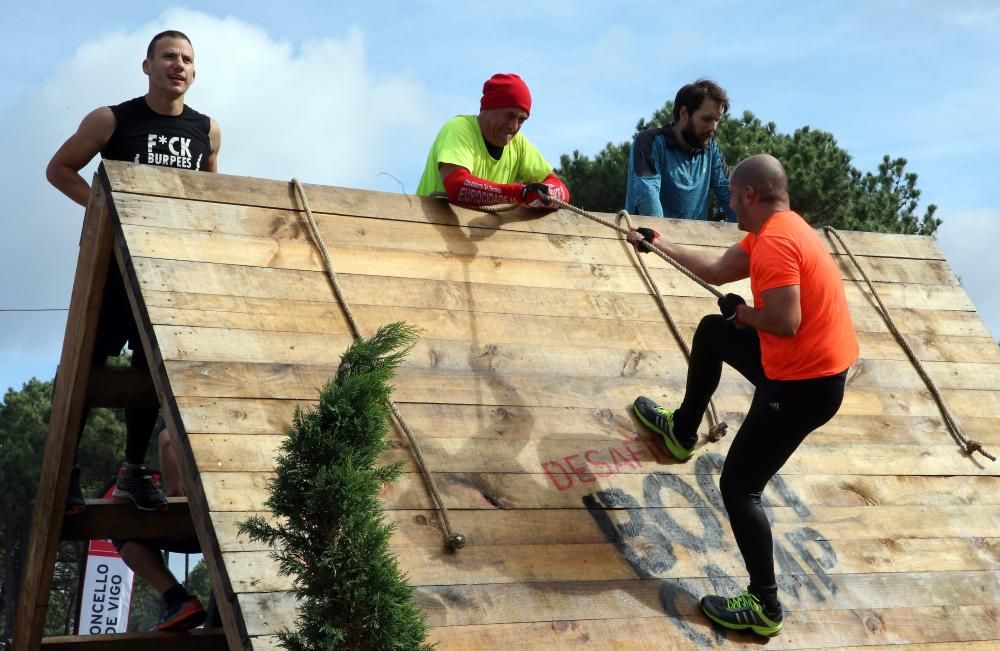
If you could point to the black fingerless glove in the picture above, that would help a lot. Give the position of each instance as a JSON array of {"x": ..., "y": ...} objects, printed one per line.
[
  {"x": 728, "y": 305},
  {"x": 649, "y": 235}
]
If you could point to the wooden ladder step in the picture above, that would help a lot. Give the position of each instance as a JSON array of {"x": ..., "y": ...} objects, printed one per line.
[
  {"x": 118, "y": 518},
  {"x": 110, "y": 386},
  {"x": 201, "y": 639}
]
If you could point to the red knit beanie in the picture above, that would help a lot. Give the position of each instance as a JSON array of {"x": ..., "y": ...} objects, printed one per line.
[{"x": 505, "y": 91}]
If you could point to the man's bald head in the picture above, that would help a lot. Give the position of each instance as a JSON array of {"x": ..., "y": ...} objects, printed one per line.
[{"x": 765, "y": 174}]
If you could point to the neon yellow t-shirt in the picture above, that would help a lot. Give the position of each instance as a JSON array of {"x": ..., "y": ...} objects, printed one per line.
[{"x": 460, "y": 142}]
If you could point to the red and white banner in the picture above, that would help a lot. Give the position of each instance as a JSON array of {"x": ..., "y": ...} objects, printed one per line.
[{"x": 107, "y": 591}]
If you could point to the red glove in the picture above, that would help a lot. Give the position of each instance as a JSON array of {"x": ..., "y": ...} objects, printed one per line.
[
  {"x": 536, "y": 195},
  {"x": 463, "y": 187},
  {"x": 557, "y": 189}
]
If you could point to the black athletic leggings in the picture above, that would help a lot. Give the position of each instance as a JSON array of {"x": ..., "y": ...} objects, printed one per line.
[
  {"x": 781, "y": 414},
  {"x": 116, "y": 326}
]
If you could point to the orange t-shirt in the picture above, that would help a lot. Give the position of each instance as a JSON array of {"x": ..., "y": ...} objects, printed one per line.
[{"x": 786, "y": 252}]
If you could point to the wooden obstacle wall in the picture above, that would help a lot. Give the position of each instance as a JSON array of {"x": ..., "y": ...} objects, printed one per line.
[{"x": 538, "y": 333}]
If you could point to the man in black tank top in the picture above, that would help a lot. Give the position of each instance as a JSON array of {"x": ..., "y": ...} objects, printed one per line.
[{"x": 155, "y": 129}]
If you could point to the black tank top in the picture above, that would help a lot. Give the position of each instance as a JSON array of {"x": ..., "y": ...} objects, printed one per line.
[{"x": 144, "y": 136}]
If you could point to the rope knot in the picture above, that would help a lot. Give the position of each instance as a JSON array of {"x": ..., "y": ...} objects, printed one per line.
[
  {"x": 972, "y": 446},
  {"x": 717, "y": 431}
]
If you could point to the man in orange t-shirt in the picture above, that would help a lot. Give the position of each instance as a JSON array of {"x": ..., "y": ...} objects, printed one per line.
[{"x": 795, "y": 345}]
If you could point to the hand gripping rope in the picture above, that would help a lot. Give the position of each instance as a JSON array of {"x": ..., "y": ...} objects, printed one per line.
[{"x": 452, "y": 539}]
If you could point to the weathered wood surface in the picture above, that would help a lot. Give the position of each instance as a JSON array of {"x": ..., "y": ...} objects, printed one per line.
[
  {"x": 511, "y": 422},
  {"x": 68, "y": 402},
  {"x": 588, "y": 460},
  {"x": 249, "y": 193},
  {"x": 537, "y": 335},
  {"x": 247, "y": 491},
  {"x": 861, "y": 606},
  {"x": 406, "y": 243}
]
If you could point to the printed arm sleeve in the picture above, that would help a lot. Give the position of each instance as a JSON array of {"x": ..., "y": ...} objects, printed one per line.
[
  {"x": 642, "y": 190},
  {"x": 720, "y": 182},
  {"x": 462, "y": 187}
]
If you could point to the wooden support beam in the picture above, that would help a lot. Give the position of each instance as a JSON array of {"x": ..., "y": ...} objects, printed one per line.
[
  {"x": 120, "y": 387},
  {"x": 226, "y": 602},
  {"x": 204, "y": 639},
  {"x": 64, "y": 422},
  {"x": 118, "y": 518}
]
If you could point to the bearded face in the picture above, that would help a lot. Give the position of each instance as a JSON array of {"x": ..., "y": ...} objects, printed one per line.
[{"x": 698, "y": 128}]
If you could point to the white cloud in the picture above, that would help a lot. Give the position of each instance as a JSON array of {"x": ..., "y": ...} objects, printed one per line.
[
  {"x": 315, "y": 112},
  {"x": 969, "y": 240}
]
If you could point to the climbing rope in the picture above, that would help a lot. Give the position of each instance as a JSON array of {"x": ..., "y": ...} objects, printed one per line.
[
  {"x": 968, "y": 446},
  {"x": 452, "y": 539},
  {"x": 716, "y": 428}
]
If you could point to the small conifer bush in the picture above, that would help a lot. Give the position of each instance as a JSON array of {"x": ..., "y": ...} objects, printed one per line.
[{"x": 329, "y": 535}]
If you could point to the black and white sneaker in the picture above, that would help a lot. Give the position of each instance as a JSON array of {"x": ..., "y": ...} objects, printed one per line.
[
  {"x": 136, "y": 485},
  {"x": 661, "y": 421},
  {"x": 742, "y": 612}
]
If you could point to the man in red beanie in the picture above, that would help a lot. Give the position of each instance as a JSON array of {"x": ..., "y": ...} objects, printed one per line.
[{"x": 483, "y": 160}]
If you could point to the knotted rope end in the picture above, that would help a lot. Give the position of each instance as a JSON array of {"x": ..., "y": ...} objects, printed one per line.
[
  {"x": 972, "y": 447},
  {"x": 455, "y": 542},
  {"x": 717, "y": 431}
]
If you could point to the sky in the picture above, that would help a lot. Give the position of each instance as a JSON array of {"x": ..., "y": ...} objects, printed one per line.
[{"x": 352, "y": 94}]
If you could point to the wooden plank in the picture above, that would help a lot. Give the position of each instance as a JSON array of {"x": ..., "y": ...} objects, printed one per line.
[
  {"x": 250, "y": 221},
  {"x": 64, "y": 422},
  {"x": 825, "y": 629},
  {"x": 118, "y": 518},
  {"x": 201, "y": 639},
  {"x": 964, "y": 645},
  {"x": 569, "y": 601},
  {"x": 290, "y": 249},
  {"x": 455, "y": 605},
  {"x": 120, "y": 387},
  {"x": 576, "y": 526},
  {"x": 588, "y": 460},
  {"x": 635, "y": 610},
  {"x": 960, "y": 536},
  {"x": 302, "y": 382},
  {"x": 549, "y": 347},
  {"x": 324, "y": 313},
  {"x": 562, "y": 275},
  {"x": 240, "y": 492},
  {"x": 256, "y": 571},
  {"x": 555, "y": 489},
  {"x": 286, "y": 284},
  {"x": 496, "y": 329},
  {"x": 248, "y": 192},
  {"x": 253, "y": 416}
]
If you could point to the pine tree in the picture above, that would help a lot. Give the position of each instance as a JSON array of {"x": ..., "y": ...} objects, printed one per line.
[{"x": 329, "y": 534}]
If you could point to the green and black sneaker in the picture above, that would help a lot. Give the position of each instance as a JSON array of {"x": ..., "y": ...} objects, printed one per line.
[
  {"x": 741, "y": 613},
  {"x": 661, "y": 421}
]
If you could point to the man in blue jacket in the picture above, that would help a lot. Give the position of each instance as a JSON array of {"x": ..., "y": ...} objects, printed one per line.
[{"x": 671, "y": 169}]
